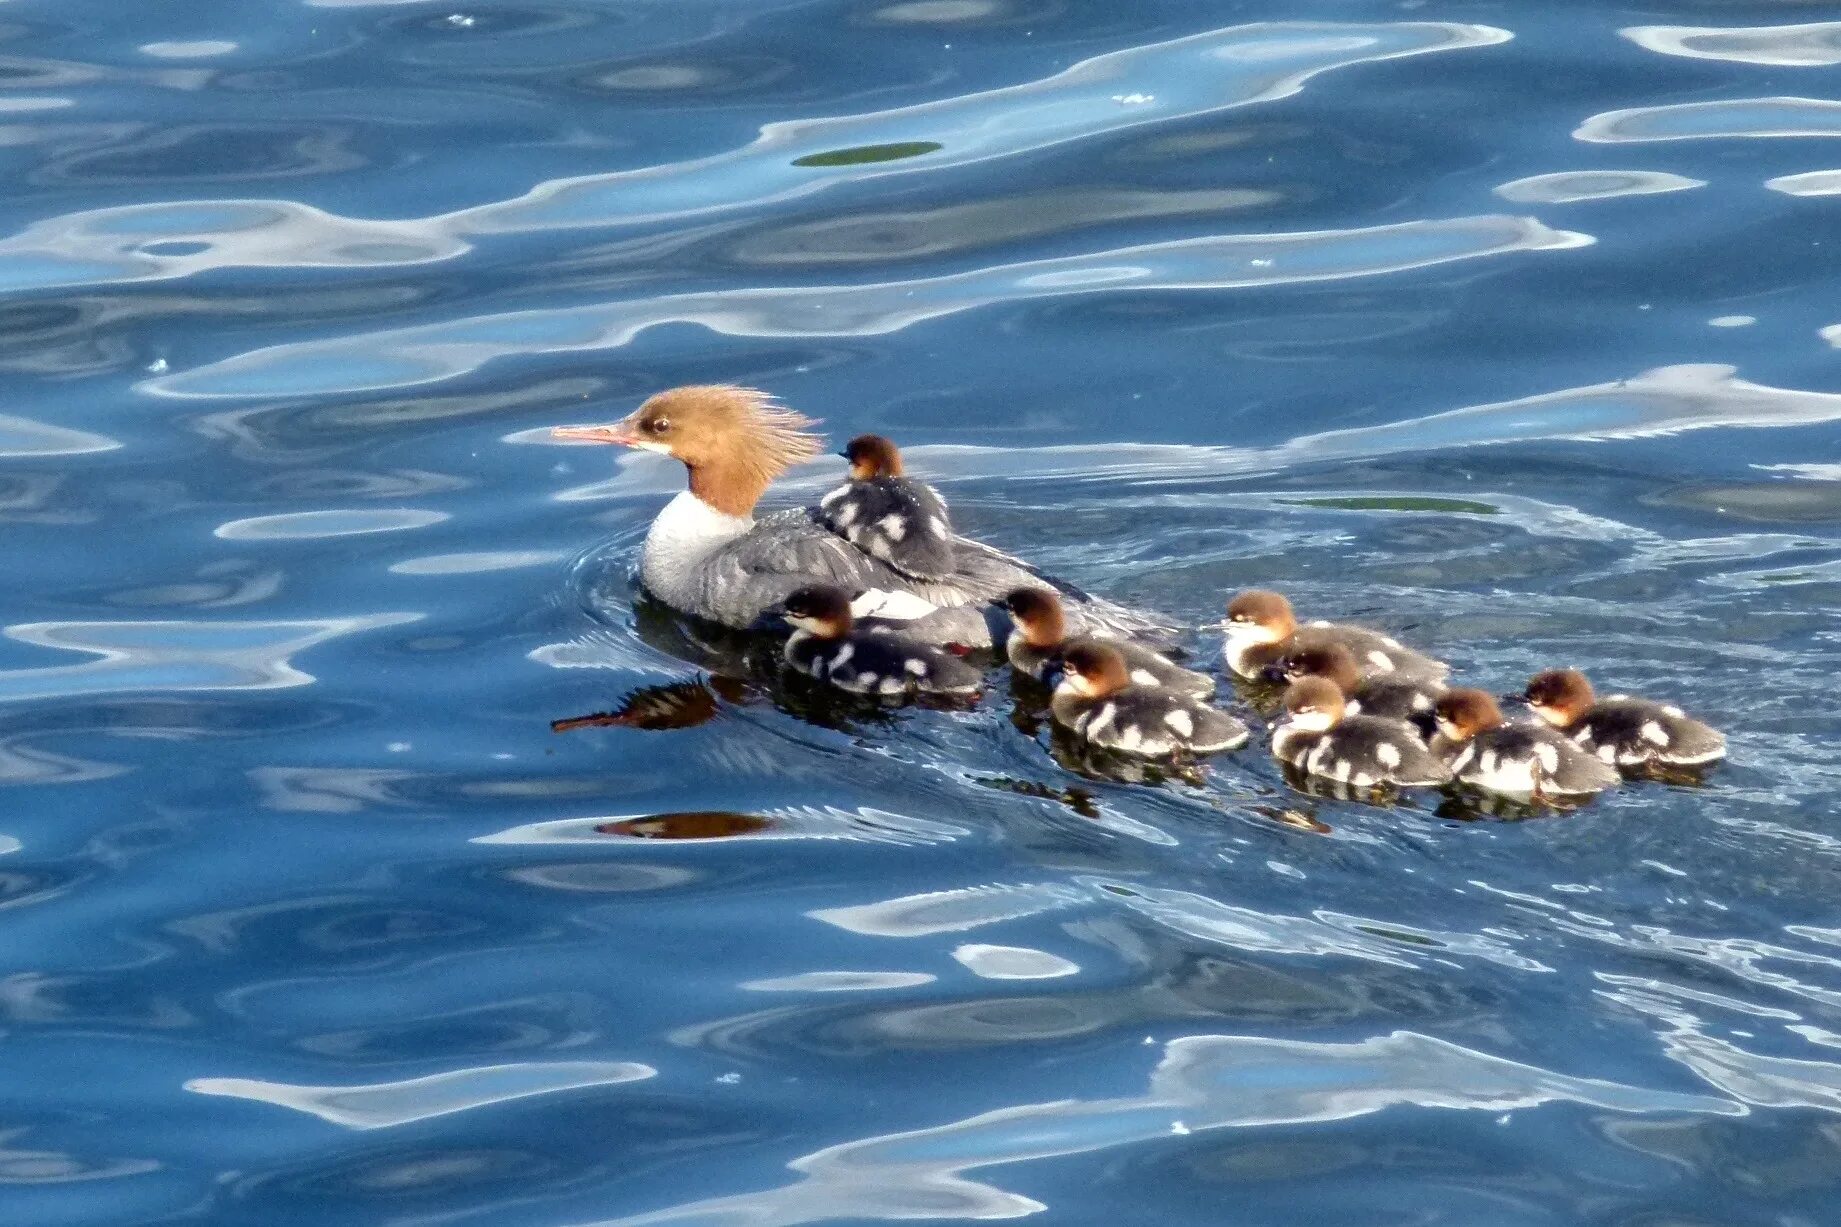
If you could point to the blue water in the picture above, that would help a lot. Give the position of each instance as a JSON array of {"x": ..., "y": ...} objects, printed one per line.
[{"x": 1501, "y": 325}]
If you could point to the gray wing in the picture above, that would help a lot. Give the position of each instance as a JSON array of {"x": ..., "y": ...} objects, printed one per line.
[{"x": 789, "y": 549}]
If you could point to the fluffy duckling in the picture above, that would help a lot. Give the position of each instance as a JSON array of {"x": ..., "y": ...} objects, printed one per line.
[
  {"x": 1512, "y": 759},
  {"x": 827, "y": 645},
  {"x": 889, "y": 515},
  {"x": 1388, "y": 696},
  {"x": 1318, "y": 736},
  {"x": 1261, "y": 628},
  {"x": 1621, "y": 730},
  {"x": 1097, "y": 701},
  {"x": 1041, "y": 633}
]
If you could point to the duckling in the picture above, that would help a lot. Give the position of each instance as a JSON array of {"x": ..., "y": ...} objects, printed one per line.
[
  {"x": 1261, "y": 627},
  {"x": 1621, "y": 730},
  {"x": 1512, "y": 759},
  {"x": 888, "y": 515},
  {"x": 1097, "y": 701},
  {"x": 1318, "y": 736},
  {"x": 827, "y": 645},
  {"x": 1035, "y": 646},
  {"x": 1386, "y": 695}
]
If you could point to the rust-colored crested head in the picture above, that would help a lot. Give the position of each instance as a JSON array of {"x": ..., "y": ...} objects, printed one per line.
[
  {"x": 1314, "y": 696},
  {"x": 1038, "y": 615},
  {"x": 1462, "y": 714},
  {"x": 1331, "y": 662},
  {"x": 822, "y": 609},
  {"x": 1561, "y": 697},
  {"x": 1093, "y": 669},
  {"x": 872, "y": 456},
  {"x": 1258, "y": 609},
  {"x": 734, "y": 440}
]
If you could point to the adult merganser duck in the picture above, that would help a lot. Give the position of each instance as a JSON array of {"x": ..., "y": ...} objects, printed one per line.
[
  {"x": 889, "y": 515},
  {"x": 1041, "y": 634},
  {"x": 1318, "y": 737},
  {"x": 828, "y": 647},
  {"x": 1517, "y": 760},
  {"x": 707, "y": 555},
  {"x": 1261, "y": 628},
  {"x": 1097, "y": 701},
  {"x": 1388, "y": 696},
  {"x": 1619, "y": 729}
]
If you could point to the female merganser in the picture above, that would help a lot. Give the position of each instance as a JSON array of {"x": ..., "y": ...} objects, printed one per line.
[
  {"x": 1388, "y": 696},
  {"x": 706, "y": 555},
  {"x": 887, "y": 514},
  {"x": 1319, "y": 737},
  {"x": 1097, "y": 701},
  {"x": 1517, "y": 760},
  {"x": 1619, "y": 729},
  {"x": 1041, "y": 633},
  {"x": 1261, "y": 628},
  {"x": 826, "y": 645}
]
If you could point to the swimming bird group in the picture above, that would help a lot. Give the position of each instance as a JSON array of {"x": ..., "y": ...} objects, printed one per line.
[{"x": 885, "y": 599}]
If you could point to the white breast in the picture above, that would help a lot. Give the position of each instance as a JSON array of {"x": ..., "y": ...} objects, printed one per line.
[{"x": 682, "y": 536}]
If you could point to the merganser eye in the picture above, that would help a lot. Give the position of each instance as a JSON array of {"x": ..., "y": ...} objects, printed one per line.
[{"x": 659, "y": 426}]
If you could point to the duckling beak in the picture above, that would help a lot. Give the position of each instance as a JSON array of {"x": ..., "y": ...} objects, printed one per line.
[{"x": 620, "y": 432}]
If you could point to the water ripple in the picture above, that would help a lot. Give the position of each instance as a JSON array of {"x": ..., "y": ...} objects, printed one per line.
[
  {"x": 1566, "y": 187},
  {"x": 435, "y": 352},
  {"x": 1203, "y": 1082},
  {"x": 177, "y": 656},
  {"x": 1809, "y": 183},
  {"x": 1732, "y": 117},
  {"x": 383, "y": 1105},
  {"x": 1661, "y": 402},
  {"x": 317, "y": 525},
  {"x": 21, "y": 437},
  {"x": 1196, "y": 75},
  {"x": 1816, "y": 44}
]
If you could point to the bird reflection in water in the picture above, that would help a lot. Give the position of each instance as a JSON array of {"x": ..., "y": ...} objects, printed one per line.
[
  {"x": 689, "y": 824},
  {"x": 1471, "y": 805}
]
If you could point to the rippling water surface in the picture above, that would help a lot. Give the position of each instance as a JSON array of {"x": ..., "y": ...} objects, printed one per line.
[{"x": 1509, "y": 326}]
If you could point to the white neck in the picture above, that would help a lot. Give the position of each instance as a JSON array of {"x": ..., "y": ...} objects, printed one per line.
[
  {"x": 1242, "y": 642},
  {"x": 681, "y": 537}
]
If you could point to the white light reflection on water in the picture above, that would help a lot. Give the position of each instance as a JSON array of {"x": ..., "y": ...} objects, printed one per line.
[
  {"x": 382, "y": 1105},
  {"x": 1199, "y": 74},
  {"x": 177, "y": 656},
  {"x": 1816, "y": 44},
  {"x": 1202, "y": 1083},
  {"x": 430, "y": 353}
]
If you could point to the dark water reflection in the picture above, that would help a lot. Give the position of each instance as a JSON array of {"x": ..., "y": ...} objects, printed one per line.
[{"x": 1507, "y": 327}]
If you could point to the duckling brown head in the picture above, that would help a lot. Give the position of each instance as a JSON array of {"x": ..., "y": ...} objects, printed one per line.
[
  {"x": 1259, "y": 616},
  {"x": 872, "y": 456},
  {"x": 1462, "y": 714},
  {"x": 1313, "y": 704},
  {"x": 1561, "y": 697},
  {"x": 819, "y": 609},
  {"x": 1093, "y": 670},
  {"x": 1332, "y": 662},
  {"x": 1038, "y": 615}
]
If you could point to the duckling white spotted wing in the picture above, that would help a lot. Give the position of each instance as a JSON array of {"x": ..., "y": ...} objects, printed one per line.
[
  {"x": 896, "y": 520},
  {"x": 1635, "y": 732}
]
